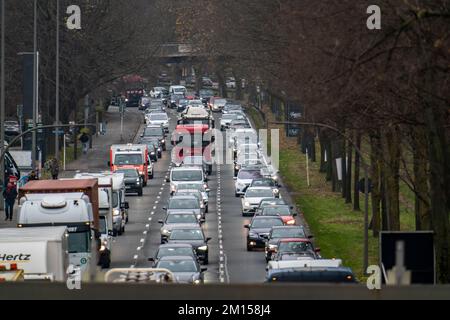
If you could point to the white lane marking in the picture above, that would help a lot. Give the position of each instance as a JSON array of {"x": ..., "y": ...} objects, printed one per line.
[
  {"x": 154, "y": 208},
  {"x": 142, "y": 240},
  {"x": 162, "y": 188},
  {"x": 138, "y": 248},
  {"x": 147, "y": 225},
  {"x": 145, "y": 232},
  {"x": 221, "y": 252},
  {"x": 156, "y": 202},
  {"x": 221, "y": 247},
  {"x": 221, "y": 259}
]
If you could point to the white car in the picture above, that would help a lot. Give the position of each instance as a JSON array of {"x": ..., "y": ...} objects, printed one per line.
[
  {"x": 178, "y": 90},
  {"x": 246, "y": 148},
  {"x": 158, "y": 119},
  {"x": 185, "y": 175},
  {"x": 253, "y": 197},
  {"x": 244, "y": 179}
]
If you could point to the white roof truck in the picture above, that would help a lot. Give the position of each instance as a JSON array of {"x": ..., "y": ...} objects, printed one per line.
[
  {"x": 40, "y": 252},
  {"x": 71, "y": 210}
]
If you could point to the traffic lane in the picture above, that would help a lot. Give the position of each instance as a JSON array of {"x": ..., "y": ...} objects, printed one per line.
[
  {"x": 128, "y": 248},
  {"x": 242, "y": 266}
]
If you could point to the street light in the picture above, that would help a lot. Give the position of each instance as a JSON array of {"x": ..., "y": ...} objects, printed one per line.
[
  {"x": 366, "y": 182},
  {"x": 57, "y": 83},
  {"x": 2, "y": 102}
]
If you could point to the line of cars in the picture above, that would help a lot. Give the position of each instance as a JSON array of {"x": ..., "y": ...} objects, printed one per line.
[{"x": 274, "y": 228}]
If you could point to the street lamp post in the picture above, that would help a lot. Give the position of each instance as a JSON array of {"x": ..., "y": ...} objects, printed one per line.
[
  {"x": 57, "y": 83},
  {"x": 366, "y": 182},
  {"x": 2, "y": 103},
  {"x": 35, "y": 91}
]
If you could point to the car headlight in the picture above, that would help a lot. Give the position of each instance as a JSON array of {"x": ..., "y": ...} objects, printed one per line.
[
  {"x": 116, "y": 212},
  {"x": 202, "y": 206},
  {"x": 291, "y": 222},
  {"x": 272, "y": 246},
  {"x": 165, "y": 232},
  {"x": 173, "y": 188},
  {"x": 246, "y": 204},
  {"x": 152, "y": 153},
  {"x": 163, "y": 141},
  {"x": 205, "y": 186},
  {"x": 199, "y": 216},
  {"x": 237, "y": 167},
  {"x": 203, "y": 248},
  {"x": 276, "y": 191},
  {"x": 102, "y": 248},
  {"x": 159, "y": 149},
  {"x": 138, "y": 181},
  {"x": 275, "y": 178},
  {"x": 197, "y": 281}
]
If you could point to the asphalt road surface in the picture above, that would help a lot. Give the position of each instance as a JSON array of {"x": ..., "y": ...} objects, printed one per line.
[{"x": 229, "y": 261}]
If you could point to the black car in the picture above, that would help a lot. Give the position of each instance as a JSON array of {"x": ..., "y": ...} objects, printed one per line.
[
  {"x": 205, "y": 95},
  {"x": 193, "y": 236},
  {"x": 175, "y": 100},
  {"x": 282, "y": 232},
  {"x": 259, "y": 229},
  {"x": 182, "y": 105},
  {"x": 172, "y": 250},
  {"x": 155, "y": 132},
  {"x": 133, "y": 181}
]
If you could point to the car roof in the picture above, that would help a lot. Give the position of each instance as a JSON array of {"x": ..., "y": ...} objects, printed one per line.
[
  {"x": 266, "y": 217},
  {"x": 176, "y": 245},
  {"x": 182, "y": 197},
  {"x": 285, "y": 240},
  {"x": 187, "y": 227},
  {"x": 181, "y": 212},
  {"x": 260, "y": 188},
  {"x": 176, "y": 258},
  {"x": 288, "y": 227}
]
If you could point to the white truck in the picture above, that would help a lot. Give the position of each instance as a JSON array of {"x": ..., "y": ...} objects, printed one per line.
[
  {"x": 119, "y": 205},
  {"x": 42, "y": 253},
  {"x": 71, "y": 210}
]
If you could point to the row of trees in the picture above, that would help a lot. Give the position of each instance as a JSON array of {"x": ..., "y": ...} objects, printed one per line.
[
  {"x": 116, "y": 39},
  {"x": 386, "y": 89}
]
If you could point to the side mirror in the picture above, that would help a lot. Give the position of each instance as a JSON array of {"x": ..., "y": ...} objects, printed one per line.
[
  {"x": 203, "y": 269},
  {"x": 207, "y": 190},
  {"x": 208, "y": 240},
  {"x": 168, "y": 180},
  {"x": 109, "y": 163},
  {"x": 295, "y": 214},
  {"x": 213, "y": 139},
  {"x": 292, "y": 208},
  {"x": 247, "y": 226},
  {"x": 206, "y": 179},
  {"x": 161, "y": 222},
  {"x": 164, "y": 208},
  {"x": 112, "y": 233},
  {"x": 317, "y": 250},
  {"x": 242, "y": 196},
  {"x": 310, "y": 237},
  {"x": 151, "y": 259},
  {"x": 125, "y": 205},
  {"x": 202, "y": 221}
]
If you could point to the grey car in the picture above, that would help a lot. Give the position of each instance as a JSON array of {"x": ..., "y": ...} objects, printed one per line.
[
  {"x": 174, "y": 219},
  {"x": 196, "y": 193},
  {"x": 185, "y": 269},
  {"x": 186, "y": 204},
  {"x": 193, "y": 236},
  {"x": 171, "y": 250}
]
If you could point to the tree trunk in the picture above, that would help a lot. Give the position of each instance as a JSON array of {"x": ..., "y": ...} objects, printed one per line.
[
  {"x": 356, "y": 205},
  {"x": 422, "y": 198},
  {"x": 391, "y": 164},
  {"x": 376, "y": 184},
  {"x": 348, "y": 189},
  {"x": 344, "y": 168},
  {"x": 323, "y": 151}
]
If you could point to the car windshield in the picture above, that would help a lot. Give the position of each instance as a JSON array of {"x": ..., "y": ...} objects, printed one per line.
[
  {"x": 271, "y": 202},
  {"x": 128, "y": 159},
  {"x": 288, "y": 233},
  {"x": 153, "y": 132},
  {"x": 145, "y": 101},
  {"x": 206, "y": 93},
  {"x": 129, "y": 173},
  {"x": 263, "y": 183},
  {"x": 159, "y": 117},
  {"x": 181, "y": 218},
  {"x": 193, "y": 160},
  {"x": 233, "y": 107},
  {"x": 220, "y": 101},
  {"x": 295, "y": 247},
  {"x": 187, "y": 175},
  {"x": 178, "y": 265},
  {"x": 186, "y": 234},
  {"x": 267, "y": 223},
  {"x": 184, "y": 204},
  {"x": 229, "y": 116},
  {"x": 245, "y": 174},
  {"x": 259, "y": 193},
  {"x": 170, "y": 252},
  {"x": 79, "y": 242},
  {"x": 191, "y": 186},
  {"x": 282, "y": 211}
]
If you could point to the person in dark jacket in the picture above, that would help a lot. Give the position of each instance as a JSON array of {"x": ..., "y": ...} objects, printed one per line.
[
  {"x": 10, "y": 196},
  {"x": 54, "y": 169},
  {"x": 84, "y": 139}
]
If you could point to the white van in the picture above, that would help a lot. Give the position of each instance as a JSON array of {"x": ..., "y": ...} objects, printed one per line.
[
  {"x": 178, "y": 90},
  {"x": 186, "y": 175}
]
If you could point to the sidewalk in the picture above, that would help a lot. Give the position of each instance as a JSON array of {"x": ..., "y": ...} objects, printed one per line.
[{"x": 97, "y": 158}]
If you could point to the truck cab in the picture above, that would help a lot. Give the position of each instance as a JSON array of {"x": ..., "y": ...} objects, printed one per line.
[
  {"x": 72, "y": 210},
  {"x": 130, "y": 157}
]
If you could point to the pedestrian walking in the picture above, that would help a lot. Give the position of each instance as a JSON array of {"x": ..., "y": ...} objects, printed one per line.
[
  {"x": 84, "y": 139},
  {"x": 54, "y": 168},
  {"x": 10, "y": 195}
]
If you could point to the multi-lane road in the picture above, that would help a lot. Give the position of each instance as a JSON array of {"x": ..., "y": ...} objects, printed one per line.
[{"x": 229, "y": 261}]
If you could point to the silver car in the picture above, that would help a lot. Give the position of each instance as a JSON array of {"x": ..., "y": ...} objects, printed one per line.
[
  {"x": 253, "y": 197},
  {"x": 186, "y": 204}
]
